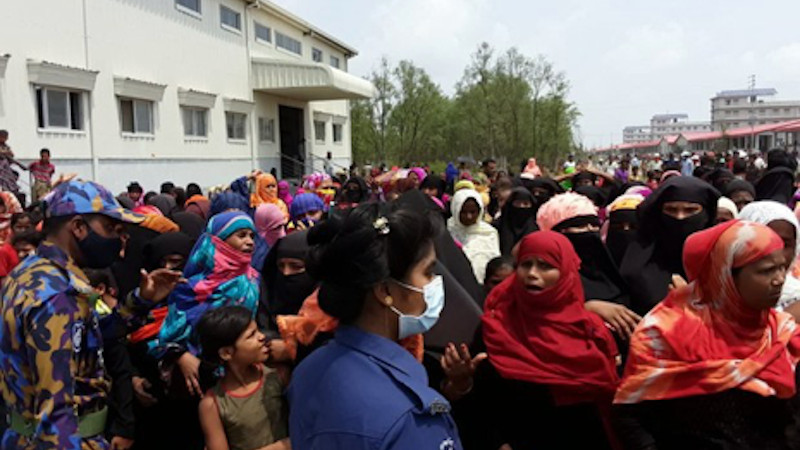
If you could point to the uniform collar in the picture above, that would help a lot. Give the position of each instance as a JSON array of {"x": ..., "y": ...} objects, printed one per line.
[
  {"x": 60, "y": 258},
  {"x": 398, "y": 364}
]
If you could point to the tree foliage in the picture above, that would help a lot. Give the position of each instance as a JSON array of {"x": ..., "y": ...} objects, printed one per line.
[{"x": 510, "y": 106}]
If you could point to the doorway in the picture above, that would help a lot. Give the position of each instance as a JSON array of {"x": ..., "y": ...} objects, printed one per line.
[{"x": 293, "y": 154}]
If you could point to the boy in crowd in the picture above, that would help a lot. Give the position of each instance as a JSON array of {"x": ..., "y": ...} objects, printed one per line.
[{"x": 42, "y": 172}]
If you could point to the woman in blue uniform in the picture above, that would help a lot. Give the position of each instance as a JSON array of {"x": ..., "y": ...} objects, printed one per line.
[{"x": 364, "y": 390}]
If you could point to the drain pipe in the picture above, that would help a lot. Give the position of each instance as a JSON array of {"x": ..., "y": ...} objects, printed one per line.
[{"x": 89, "y": 96}]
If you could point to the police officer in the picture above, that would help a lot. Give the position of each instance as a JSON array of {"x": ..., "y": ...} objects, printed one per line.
[
  {"x": 52, "y": 376},
  {"x": 365, "y": 389}
]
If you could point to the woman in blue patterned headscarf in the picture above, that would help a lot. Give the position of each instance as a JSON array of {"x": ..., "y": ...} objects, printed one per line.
[{"x": 217, "y": 274}]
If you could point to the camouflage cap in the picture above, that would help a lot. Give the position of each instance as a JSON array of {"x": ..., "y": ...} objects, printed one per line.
[{"x": 87, "y": 197}]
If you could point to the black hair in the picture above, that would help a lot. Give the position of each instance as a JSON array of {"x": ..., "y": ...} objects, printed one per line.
[
  {"x": 4, "y": 133},
  {"x": 167, "y": 187},
  {"x": 739, "y": 165},
  {"x": 53, "y": 224},
  {"x": 135, "y": 187},
  {"x": 488, "y": 161},
  {"x": 220, "y": 328},
  {"x": 100, "y": 276},
  {"x": 44, "y": 150},
  {"x": 148, "y": 196},
  {"x": 15, "y": 218},
  {"x": 193, "y": 189},
  {"x": 31, "y": 237},
  {"x": 496, "y": 263},
  {"x": 369, "y": 246},
  {"x": 180, "y": 196}
]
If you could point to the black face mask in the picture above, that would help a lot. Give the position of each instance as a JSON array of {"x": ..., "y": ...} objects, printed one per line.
[
  {"x": 519, "y": 216},
  {"x": 353, "y": 195},
  {"x": 617, "y": 243},
  {"x": 588, "y": 245},
  {"x": 674, "y": 233},
  {"x": 99, "y": 252},
  {"x": 292, "y": 290}
]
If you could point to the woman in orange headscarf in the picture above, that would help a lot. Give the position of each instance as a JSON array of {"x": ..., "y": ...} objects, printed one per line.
[
  {"x": 266, "y": 191},
  {"x": 712, "y": 366}
]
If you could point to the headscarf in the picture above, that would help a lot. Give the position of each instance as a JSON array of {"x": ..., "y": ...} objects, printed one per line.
[
  {"x": 164, "y": 245},
  {"x": 148, "y": 210},
  {"x": 727, "y": 204},
  {"x": 777, "y": 184},
  {"x": 271, "y": 223},
  {"x": 199, "y": 205},
  {"x": 622, "y": 209},
  {"x": 655, "y": 256},
  {"x": 305, "y": 203},
  {"x": 548, "y": 186},
  {"x": 227, "y": 201},
  {"x": 420, "y": 172},
  {"x": 284, "y": 193},
  {"x": 702, "y": 339},
  {"x": 165, "y": 203},
  {"x": 285, "y": 294},
  {"x": 480, "y": 241},
  {"x": 190, "y": 224},
  {"x": 599, "y": 274},
  {"x": 548, "y": 337},
  {"x": 515, "y": 223},
  {"x": 764, "y": 212},
  {"x": 739, "y": 185},
  {"x": 451, "y": 173},
  {"x": 532, "y": 168},
  {"x": 352, "y": 198},
  {"x": 126, "y": 201},
  {"x": 434, "y": 182},
  {"x": 12, "y": 207},
  {"x": 159, "y": 224},
  {"x": 217, "y": 275},
  {"x": 464, "y": 184},
  {"x": 263, "y": 194}
]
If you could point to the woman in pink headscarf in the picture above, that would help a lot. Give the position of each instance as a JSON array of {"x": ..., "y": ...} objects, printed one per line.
[
  {"x": 284, "y": 193},
  {"x": 532, "y": 169},
  {"x": 270, "y": 223}
]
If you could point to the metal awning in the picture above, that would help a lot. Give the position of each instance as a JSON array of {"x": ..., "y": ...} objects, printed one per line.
[{"x": 308, "y": 81}]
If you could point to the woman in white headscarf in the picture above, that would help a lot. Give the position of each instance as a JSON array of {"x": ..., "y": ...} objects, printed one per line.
[
  {"x": 479, "y": 240},
  {"x": 782, "y": 220}
]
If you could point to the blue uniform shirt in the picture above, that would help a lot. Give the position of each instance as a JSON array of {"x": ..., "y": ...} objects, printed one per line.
[{"x": 363, "y": 391}]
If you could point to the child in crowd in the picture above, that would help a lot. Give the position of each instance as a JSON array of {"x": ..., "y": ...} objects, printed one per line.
[
  {"x": 245, "y": 410},
  {"x": 25, "y": 243},
  {"x": 497, "y": 270},
  {"x": 42, "y": 172},
  {"x": 21, "y": 223}
]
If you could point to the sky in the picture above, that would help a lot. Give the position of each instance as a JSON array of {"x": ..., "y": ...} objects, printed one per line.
[{"x": 625, "y": 59}]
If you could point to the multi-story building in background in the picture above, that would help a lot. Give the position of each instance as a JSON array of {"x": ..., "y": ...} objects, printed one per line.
[
  {"x": 748, "y": 107},
  {"x": 663, "y": 125}
]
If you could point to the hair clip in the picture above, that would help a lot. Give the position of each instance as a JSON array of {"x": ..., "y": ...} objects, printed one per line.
[{"x": 381, "y": 225}]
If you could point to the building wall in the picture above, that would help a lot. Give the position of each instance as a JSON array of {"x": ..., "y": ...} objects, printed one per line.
[
  {"x": 732, "y": 113},
  {"x": 156, "y": 42}
]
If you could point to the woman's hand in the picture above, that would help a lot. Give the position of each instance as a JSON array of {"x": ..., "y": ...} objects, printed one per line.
[
  {"x": 677, "y": 282},
  {"x": 459, "y": 366},
  {"x": 140, "y": 387},
  {"x": 156, "y": 285},
  {"x": 190, "y": 368},
  {"x": 622, "y": 320}
]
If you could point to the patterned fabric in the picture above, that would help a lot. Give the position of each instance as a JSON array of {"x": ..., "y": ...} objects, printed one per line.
[
  {"x": 51, "y": 351},
  {"x": 217, "y": 275},
  {"x": 563, "y": 207},
  {"x": 87, "y": 197},
  {"x": 702, "y": 339},
  {"x": 8, "y": 179},
  {"x": 12, "y": 207},
  {"x": 42, "y": 172}
]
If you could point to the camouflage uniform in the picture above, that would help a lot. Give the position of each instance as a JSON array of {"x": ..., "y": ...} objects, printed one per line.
[{"x": 51, "y": 348}]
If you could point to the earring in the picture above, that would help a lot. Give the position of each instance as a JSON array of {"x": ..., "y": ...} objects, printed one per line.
[{"x": 388, "y": 300}]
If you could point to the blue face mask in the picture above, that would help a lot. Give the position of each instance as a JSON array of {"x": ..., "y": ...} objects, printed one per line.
[{"x": 433, "y": 293}]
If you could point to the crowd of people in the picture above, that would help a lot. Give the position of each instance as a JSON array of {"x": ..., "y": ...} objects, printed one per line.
[{"x": 629, "y": 304}]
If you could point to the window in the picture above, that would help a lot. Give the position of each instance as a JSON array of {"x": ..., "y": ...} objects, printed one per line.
[
  {"x": 334, "y": 61},
  {"x": 285, "y": 42},
  {"x": 337, "y": 133},
  {"x": 236, "y": 125},
  {"x": 230, "y": 18},
  {"x": 266, "y": 129},
  {"x": 316, "y": 55},
  {"x": 263, "y": 33},
  {"x": 191, "y": 5},
  {"x": 194, "y": 122},
  {"x": 319, "y": 131},
  {"x": 58, "y": 108},
  {"x": 136, "y": 116}
]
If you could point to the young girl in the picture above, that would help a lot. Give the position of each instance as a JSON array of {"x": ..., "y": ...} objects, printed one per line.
[{"x": 245, "y": 410}]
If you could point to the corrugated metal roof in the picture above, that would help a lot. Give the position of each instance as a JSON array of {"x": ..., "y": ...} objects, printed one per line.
[
  {"x": 746, "y": 93},
  {"x": 670, "y": 116}
]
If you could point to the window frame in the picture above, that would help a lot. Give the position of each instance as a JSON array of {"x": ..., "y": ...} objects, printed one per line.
[
  {"x": 262, "y": 128},
  {"x": 225, "y": 26},
  {"x": 195, "y": 110},
  {"x": 338, "y": 64},
  {"x": 282, "y": 36},
  {"x": 317, "y": 134},
  {"x": 134, "y": 102},
  {"x": 197, "y": 14},
  {"x": 316, "y": 52},
  {"x": 256, "y": 25},
  {"x": 341, "y": 133},
  {"x": 231, "y": 116},
  {"x": 42, "y": 102}
]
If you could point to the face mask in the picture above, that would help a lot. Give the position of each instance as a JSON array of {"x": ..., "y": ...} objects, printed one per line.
[
  {"x": 677, "y": 230},
  {"x": 353, "y": 196},
  {"x": 617, "y": 243},
  {"x": 292, "y": 290},
  {"x": 99, "y": 252},
  {"x": 588, "y": 245},
  {"x": 433, "y": 293}
]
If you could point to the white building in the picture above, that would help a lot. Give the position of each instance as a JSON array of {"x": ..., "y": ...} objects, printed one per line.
[
  {"x": 747, "y": 108},
  {"x": 637, "y": 134},
  {"x": 662, "y": 125},
  {"x": 178, "y": 90}
]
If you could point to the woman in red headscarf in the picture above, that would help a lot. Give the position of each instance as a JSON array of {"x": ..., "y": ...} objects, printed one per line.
[
  {"x": 712, "y": 366},
  {"x": 551, "y": 372}
]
